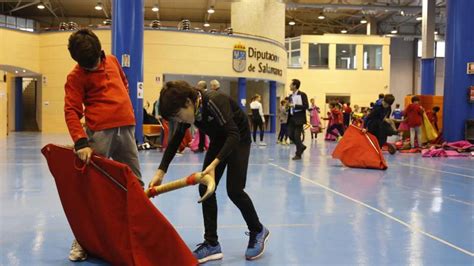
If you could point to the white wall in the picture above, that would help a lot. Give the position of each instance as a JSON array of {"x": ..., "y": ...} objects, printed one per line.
[{"x": 401, "y": 74}]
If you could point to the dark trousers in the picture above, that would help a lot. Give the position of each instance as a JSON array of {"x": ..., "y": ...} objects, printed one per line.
[
  {"x": 339, "y": 128},
  {"x": 257, "y": 123},
  {"x": 347, "y": 119},
  {"x": 237, "y": 164},
  {"x": 294, "y": 132},
  {"x": 202, "y": 140},
  {"x": 283, "y": 132}
]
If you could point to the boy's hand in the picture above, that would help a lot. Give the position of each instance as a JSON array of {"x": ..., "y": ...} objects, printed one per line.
[
  {"x": 157, "y": 178},
  {"x": 85, "y": 154},
  {"x": 364, "y": 130},
  {"x": 211, "y": 168}
]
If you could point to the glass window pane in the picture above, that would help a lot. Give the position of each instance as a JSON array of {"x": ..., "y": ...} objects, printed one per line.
[
  {"x": 30, "y": 24},
  {"x": 287, "y": 45},
  {"x": 2, "y": 20},
  {"x": 346, "y": 56},
  {"x": 21, "y": 23},
  {"x": 372, "y": 56},
  {"x": 295, "y": 44},
  {"x": 11, "y": 22},
  {"x": 318, "y": 55},
  {"x": 440, "y": 46},
  {"x": 295, "y": 59}
]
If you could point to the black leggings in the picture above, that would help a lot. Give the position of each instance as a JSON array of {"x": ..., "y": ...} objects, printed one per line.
[
  {"x": 283, "y": 132},
  {"x": 237, "y": 164},
  {"x": 257, "y": 123},
  {"x": 339, "y": 128}
]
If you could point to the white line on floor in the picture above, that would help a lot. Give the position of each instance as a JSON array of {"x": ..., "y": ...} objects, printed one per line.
[
  {"x": 435, "y": 170},
  {"x": 444, "y": 197},
  {"x": 409, "y": 226},
  {"x": 244, "y": 226}
]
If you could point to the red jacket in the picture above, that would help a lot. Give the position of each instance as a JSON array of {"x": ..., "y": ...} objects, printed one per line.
[
  {"x": 414, "y": 115},
  {"x": 104, "y": 94},
  {"x": 337, "y": 115}
]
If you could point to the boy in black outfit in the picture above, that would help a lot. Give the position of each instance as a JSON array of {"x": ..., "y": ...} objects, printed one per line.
[
  {"x": 377, "y": 122},
  {"x": 227, "y": 126}
]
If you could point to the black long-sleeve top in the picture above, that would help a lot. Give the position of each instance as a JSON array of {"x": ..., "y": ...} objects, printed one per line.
[{"x": 221, "y": 118}]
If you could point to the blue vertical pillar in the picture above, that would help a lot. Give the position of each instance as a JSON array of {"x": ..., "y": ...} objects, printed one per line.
[
  {"x": 18, "y": 104},
  {"x": 428, "y": 76},
  {"x": 273, "y": 106},
  {"x": 242, "y": 92},
  {"x": 127, "y": 40},
  {"x": 459, "y": 51}
]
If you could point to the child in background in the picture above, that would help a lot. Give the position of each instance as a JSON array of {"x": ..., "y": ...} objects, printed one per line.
[
  {"x": 98, "y": 89},
  {"x": 283, "y": 116},
  {"x": 414, "y": 118},
  {"x": 338, "y": 122},
  {"x": 433, "y": 117},
  {"x": 314, "y": 119},
  {"x": 397, "y": 113},
  {"x": 347, "y": 114}
]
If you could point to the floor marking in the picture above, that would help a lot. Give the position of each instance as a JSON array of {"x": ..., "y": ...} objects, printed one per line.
[
  {"x": 245, "y": 226},
  {"x": 459, "y": 167},
  {"x": 435, "y": 170},
  {"x": 444, "y": 197},
  {"x": 409, "y": 226}
]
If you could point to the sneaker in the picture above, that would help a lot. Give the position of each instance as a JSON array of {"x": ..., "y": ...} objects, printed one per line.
[
  {"x": 256, "y": 245},
  {"x": 77, "y": 253},
  {"x": 296, "y": 158},
  {"x": 206, "y": 252},
  {"x": 262, "y": 144}
]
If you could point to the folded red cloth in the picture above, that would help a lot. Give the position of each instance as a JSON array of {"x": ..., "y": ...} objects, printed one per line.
[{"x": 110, "y": 215}]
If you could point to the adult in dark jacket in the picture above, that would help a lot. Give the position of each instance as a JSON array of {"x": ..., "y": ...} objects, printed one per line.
[{"x": 298, "y": 102}]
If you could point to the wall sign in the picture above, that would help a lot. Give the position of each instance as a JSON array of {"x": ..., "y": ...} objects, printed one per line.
[
  {"x": 140, "y": 90},
  {"x": 263, "y": 60},
  {"x": 125, "y": 60},
  {"x": 470, "y": 68}
]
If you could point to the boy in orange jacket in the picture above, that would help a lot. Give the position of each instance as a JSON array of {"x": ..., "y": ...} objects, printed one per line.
[{"x": 98, "y": 89}]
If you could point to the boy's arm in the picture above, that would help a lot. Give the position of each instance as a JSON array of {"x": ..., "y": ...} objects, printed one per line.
[
  {"x": 74, "y": 111},
  {"x": 173, "y": 146},
  {"x": 122, "y": 74}
]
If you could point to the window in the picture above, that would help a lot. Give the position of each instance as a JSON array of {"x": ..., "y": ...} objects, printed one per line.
[
  {"x": 373, "y": 57},
  {"x": 318, "y": 55},
  {"x": 346, "y": 56},
  {"x": 2, "y": 20},
  {"x": 439, "y": 48},
  {"x": 293, "y": 49},
  {"x": 11, "y": 22}
]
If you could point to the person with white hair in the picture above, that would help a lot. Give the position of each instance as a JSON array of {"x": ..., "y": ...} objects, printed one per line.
[
  {"x": 202, "y": 85},
  {"x": 215, "y": 85}
]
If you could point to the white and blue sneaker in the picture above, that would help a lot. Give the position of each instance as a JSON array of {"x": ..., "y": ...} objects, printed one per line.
[
  {"x": 256, "y": 245},
  {"x": 206, "y": 252}
]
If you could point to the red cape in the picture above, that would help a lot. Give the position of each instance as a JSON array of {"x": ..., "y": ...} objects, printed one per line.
[
  {"x": 359, "y": 150},
  {"x": 113, "y": 220}
]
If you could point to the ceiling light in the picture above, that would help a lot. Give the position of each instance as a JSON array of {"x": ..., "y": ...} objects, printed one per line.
[
  {"x": 436, "y": 32},
  {"x": 206, "y": 24},
  {"x": 344, "y": 51},
  {"x": 419, "y": 18},
  {"x": 394, "y": 31},
  {"x": 363, "y": 20},
  {"x": 402, "y": 12},
  {"x": 16, "y": 71},
  {"x": 155, "y": 8},
  {"x": 321, "y": 16},
  {"x": 211, "y": 10},
  {"x": 291, "y": 23},
  {"x": 98, "y": 6},
  {"x": 40, "y": 6},
  {"x": 24, "y": 71},
  {"x": 343, "y": 31}
]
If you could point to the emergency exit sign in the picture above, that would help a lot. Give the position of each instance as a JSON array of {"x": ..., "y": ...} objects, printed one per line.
[{"x": 470, "y": 68}]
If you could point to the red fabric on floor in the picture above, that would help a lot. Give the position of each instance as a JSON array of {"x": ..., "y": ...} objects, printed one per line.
[
  {"x": 118, "y": 226},
  {"x": 355, "y": 150}
]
